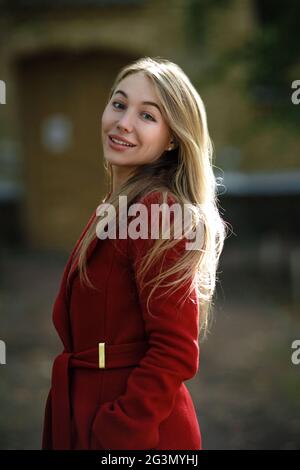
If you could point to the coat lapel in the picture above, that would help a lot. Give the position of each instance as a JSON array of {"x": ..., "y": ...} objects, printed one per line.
[
  {"x": 75, "y": 270},
  {"x": 92, "y": 245},
  {"x": 60, "y": 314},
  {"x": 61, "y": 317}
]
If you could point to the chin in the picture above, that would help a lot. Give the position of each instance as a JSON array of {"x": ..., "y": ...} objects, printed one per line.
[{"x": 118, "y": 161}]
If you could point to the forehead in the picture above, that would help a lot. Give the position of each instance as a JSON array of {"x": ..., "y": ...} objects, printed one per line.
[{"x": 138, "y": 85}]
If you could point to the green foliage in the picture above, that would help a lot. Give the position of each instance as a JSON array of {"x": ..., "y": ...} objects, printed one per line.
[
  {"x": 270, "y": 55},
  {"x": 273, "y": 51},
  {"x": 197, "y": 18}
]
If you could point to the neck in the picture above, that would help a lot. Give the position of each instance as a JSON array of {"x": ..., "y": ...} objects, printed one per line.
[{"x": 120, "y": 176}]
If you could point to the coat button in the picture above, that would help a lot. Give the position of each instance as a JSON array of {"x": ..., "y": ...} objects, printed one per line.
[{"x": 101, "y": 355}]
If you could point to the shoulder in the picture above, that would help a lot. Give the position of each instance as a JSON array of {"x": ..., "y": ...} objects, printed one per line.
[
  {"x": 155, "y": 222},
  {"x": 154, "y": 204},
  {"x": 158, "y": 197}
]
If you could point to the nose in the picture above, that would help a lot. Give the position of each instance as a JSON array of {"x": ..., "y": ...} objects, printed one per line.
[{"x": 125, "y": 123}]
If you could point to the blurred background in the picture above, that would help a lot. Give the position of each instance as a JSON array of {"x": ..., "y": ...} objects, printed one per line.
[{"x": 57, "y": 63}]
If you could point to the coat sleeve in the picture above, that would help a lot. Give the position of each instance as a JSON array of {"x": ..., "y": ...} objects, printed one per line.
[{"x": 132, "y": 420}]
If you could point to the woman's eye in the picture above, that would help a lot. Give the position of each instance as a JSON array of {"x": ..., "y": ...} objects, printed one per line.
[
  {"x": 151, "y": 118},
  {"x": 122, "y": 106},
  {"x": 116, "y": 102}
]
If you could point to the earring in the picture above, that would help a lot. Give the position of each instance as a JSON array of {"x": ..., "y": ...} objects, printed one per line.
[{"x": 171, "y": 146}]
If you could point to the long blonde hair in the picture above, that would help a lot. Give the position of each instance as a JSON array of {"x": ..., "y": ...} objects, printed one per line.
[{"x": 186, "y": 172}]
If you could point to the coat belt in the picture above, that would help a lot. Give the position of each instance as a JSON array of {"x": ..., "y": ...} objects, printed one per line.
[{"x": 105, "y": 356}]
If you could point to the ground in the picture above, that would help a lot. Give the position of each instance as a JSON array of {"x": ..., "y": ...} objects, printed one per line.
[{"x": 246, "y": 391}]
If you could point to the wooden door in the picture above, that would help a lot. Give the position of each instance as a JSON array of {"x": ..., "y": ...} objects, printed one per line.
[{"x": 61, "y": 100}]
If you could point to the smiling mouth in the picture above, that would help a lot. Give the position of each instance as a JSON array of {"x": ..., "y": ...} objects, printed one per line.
[{"x": 119, "y": 142}]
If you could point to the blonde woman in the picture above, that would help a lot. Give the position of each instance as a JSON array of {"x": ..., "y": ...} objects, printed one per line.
[{"x": 130, "y": 309}]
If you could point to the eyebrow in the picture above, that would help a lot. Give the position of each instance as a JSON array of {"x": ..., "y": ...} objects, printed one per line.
[{"x": 151, "y": 103}]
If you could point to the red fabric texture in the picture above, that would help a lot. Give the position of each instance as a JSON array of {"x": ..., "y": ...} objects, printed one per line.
[{"x": 136, "y": 403}]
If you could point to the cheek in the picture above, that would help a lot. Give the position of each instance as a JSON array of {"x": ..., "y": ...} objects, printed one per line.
[
  {"x": 106, "y": 119},
  {"x": 155, "y": 136}
]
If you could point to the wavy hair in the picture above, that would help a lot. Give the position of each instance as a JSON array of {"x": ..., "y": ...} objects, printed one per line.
[{"x": 186, "y": 172}]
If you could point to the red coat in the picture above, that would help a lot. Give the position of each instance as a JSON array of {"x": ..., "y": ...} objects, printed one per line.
[{"x": 135, "y": 397}]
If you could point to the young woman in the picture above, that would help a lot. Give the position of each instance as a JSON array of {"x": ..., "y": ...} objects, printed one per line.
[{"x": 130, "y": 309}]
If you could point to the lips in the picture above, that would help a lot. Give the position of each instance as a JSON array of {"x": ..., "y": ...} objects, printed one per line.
[{"x": 120, "y": 140}]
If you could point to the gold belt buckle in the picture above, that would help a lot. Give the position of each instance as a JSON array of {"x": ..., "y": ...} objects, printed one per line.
[{"x": 101, "y": 355}]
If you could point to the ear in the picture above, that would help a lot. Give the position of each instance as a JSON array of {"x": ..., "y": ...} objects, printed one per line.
[{"x": 174, "y": 142}]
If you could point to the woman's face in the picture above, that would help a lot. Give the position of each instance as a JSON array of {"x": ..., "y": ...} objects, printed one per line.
[{"x": 129, "y": 116}]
